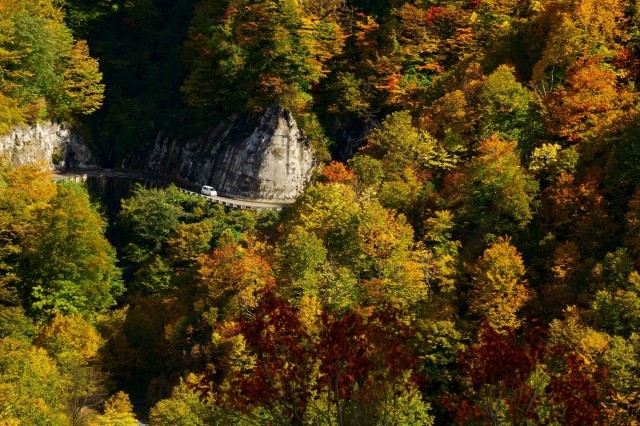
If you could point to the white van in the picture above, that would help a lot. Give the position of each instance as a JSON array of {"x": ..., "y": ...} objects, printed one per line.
[{"x": 209, "y": 190}]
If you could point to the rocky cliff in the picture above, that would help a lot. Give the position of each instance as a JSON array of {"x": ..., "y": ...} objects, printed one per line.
[
  {"x": 52, "y": 143},
  {"x": 263, "y": 157}
]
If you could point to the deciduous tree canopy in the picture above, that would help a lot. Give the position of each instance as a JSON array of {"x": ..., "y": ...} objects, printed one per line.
[{"x": 474, "y": 260}]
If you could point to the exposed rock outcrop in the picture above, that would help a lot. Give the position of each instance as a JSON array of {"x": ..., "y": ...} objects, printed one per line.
[
  {"x": 52, "y": 143},
  {"x": 260, "y": 157}
]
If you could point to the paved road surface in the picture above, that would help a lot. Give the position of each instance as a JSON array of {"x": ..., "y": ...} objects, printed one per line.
[{"x": 82, "y": 174}]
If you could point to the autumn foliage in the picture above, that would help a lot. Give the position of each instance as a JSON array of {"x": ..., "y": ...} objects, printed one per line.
[{"x": 467, "y": 250}]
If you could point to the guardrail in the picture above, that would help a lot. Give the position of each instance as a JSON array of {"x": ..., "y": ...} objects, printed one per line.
[
  {"x": 73, "y": 178},
  {"x": 229, "y": 202},
  {"x": 237, "y": 204}
]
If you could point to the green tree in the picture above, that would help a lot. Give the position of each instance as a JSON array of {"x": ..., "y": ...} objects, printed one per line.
[
  {"x": 438, "y": 237},
  {"x": 68, "y": 266},
  {"x": 399, "y": 144},
  {"x": 616, "y": 309},
  {"x": 508, "y": 109},
  {"x": 53, "y": 248},
  {"x": 150, "y": 216},
  {"x": 301, "y": 257},
  {"x": 622, "y": 171},
  {"x": 492, "y": 191},
  {"x": 276, "y": 61},
  {"x": 368, "y": 171},
  {"x": 43, "y": 73},
  {"x": 149, "y": 219},
  {"x": 14, "y": 323},
  {"x": 632, "y": 236}
]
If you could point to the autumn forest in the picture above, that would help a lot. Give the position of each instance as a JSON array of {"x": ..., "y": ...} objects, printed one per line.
[{"x": 475, "y": 261}]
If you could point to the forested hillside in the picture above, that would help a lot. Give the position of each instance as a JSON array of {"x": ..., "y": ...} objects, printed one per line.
[
  {"x": 44, "y": 72},
  {"x": 477, "y": 261}
]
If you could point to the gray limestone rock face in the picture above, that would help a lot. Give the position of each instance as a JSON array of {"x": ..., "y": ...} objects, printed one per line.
[
  {"x": 260, "y": 157},
  {"x": 55, "y": 144}
]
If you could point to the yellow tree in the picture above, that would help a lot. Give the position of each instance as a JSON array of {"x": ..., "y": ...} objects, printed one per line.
[
  {"x": 302, "y": 262},
  {"x": 599, "y": 351},
  {"x": 190, "y": 241},
  {"x": 70, "y": 338},
  {"x": 590, "y": 101},
  {"x": 185, "y": 407},
  {"x": 331, "y": 212},
  {"x": 347, "y": 250},
  {"x": 268, "y": 51},
  {"x": 580, "y": 29},
  {"x": 24, "y": 191},
  {"x": 391, "y": 271},
  {"x": 43, "y": 74},
  {"x": 118, "y": 411},
  {"x": 32, "y": 389},
  {"x": 413, "y": 46},
  {"x": 499, "y": 288},
  {"x": 74, "y": 344},
  {"x": 234, "y": 274},
  {"x": 10, "y": 113},
  {"x": 82, "y": 91}
]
